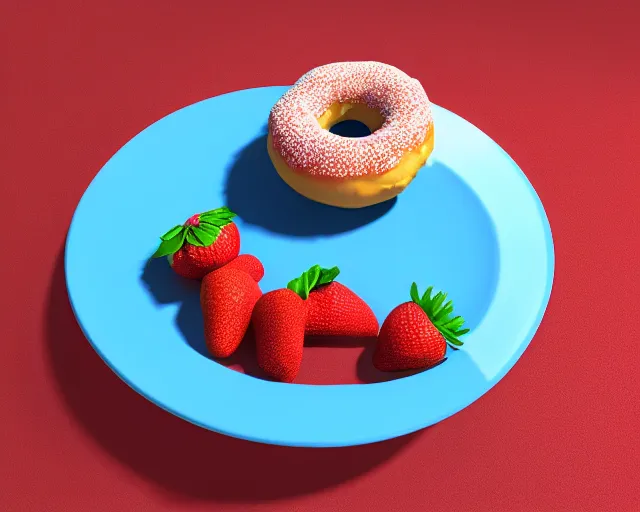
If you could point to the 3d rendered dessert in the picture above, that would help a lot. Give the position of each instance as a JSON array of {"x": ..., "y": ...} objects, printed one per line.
[
  {"x": 346, "y": 172},
  {"x": 343, "y": 171}
]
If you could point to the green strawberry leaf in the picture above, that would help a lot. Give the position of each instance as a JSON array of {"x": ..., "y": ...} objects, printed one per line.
[
  {"x": 415, "y": 297},
  {"x": 218, "y": 215},
  {"x": 209, "y": 229},
  {"x": 206, "y": 237},
  {"x": 194, "y": 239},
  {"x": 446, "y": 310},
  {"x": 312, "y": 276},
  {"x": 426, "y": 298},
  {"x": 304, "y": 285},
  {"x": 440, "y": 314},
  {"x": 455, "y": 324},
  {"x": 437, "y": 307},
  {"x": 171, "y": 246},
  {"x": 311, "y": 279},
  {"x": 223, "y": 210},
  {"x": 215, "y": 222},
  {"x": 172, "y": 232},
  {"x": 296, "y": 286},
  {"x": 327, "y": 275},
  {"x": 211, "y": 223},
  {"x": 437, "y": 302},
  {"x": 451, "y": 338},
  {"x": 202, "y": 235}
]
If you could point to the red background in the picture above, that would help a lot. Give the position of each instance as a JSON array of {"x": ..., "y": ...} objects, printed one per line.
[{"x": 557, "y": 87}]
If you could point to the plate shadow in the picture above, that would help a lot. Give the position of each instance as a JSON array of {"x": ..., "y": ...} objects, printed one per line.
[
  {"x": 179, "y": 458},
  {"x": 167, "y": 287}
]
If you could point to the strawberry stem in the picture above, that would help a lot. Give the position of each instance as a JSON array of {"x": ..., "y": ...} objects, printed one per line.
[
  {"x": 313, "y": 278},
  {"x": 440, "y": 314}
]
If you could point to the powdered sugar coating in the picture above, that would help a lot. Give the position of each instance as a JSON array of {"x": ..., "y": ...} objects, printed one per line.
[{"x": 308, "y": 148}]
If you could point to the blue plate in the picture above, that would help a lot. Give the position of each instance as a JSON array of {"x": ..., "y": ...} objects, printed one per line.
[{"x": 470, "y": 224}]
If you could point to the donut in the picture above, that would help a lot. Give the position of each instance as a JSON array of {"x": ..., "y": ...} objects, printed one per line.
[{"x": 351, "y": 172}]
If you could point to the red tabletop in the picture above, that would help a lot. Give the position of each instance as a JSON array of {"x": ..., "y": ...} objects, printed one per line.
[{"x": 556, "y": 86}]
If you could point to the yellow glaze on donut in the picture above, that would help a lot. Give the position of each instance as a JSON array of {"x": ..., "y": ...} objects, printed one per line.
[{"x": 361, "y": 191}]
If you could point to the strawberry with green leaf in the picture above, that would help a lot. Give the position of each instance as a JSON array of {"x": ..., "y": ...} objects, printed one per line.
[
  {"x": 205, "y": 242},
  {"x": 415, "y": 334},
  {"x": 312, "y": 279},
  {"x": 310, "y": 304},
  {"x": 279, "y": 319},
  {"x": 334, "y": 310}
]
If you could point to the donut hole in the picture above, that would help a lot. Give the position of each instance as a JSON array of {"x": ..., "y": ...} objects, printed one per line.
[
  {"x": 351, "y": 120},
  {"x": 351, "y": 128}
]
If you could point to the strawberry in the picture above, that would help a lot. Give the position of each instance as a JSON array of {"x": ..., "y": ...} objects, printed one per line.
[
  {"x": 205, "y": 242},
  {"x": 415, "y": 334},
  {"x": 334, "y": 310},
  {"x": 281, "y": 319},
  {"x": 249, "y": 264},
  {"x": 227, "y": 298},
  {"x": 278, "y": 320}
]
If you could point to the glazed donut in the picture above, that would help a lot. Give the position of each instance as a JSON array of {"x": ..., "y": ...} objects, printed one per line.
[{"x": 343, "y": 171}]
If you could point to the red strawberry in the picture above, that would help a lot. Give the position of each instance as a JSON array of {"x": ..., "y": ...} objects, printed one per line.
[
  {"x": 334, "y": 310},
  {"x": 415, "y": 334},
  {"x": 227, "y": 298},
  {"x": 249, "y": 264},
  {"x": 205, "y": 242},
  {"x": 278, "y": 319}
]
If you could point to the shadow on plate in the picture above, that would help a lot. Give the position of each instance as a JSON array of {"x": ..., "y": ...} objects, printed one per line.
[
  {"x": 259, "y": 196},
  {"x": 182, "y": 459},
  {"x": 167, "y": 287}
]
